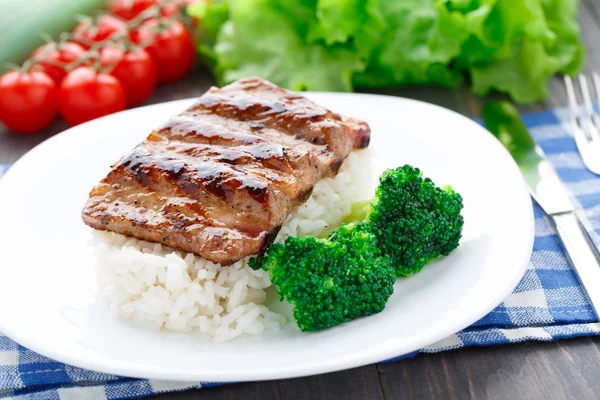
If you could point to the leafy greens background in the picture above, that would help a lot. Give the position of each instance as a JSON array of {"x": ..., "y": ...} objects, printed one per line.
[{"x": 512, "y": 46}]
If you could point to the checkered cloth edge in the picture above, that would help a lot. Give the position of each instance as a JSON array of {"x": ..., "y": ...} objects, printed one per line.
[{"x": 547, "y": 304}]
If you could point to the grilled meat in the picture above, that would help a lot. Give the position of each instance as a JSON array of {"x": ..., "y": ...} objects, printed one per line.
[{"x": 219, "y": 179}]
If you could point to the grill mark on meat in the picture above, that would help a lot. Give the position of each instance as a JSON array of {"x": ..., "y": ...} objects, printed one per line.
[
  {"x": 269, "y": 239},
  {"x": 270, "y": 155},
  {"x": 220, "y": 178},
  {"x": 363, "y": 142},
  {"x": 266, "y": 156},
  {"x": 359, "y": 131},
  {"x": 336, "y": 165},
  {"x": 184, "y": 189},
  {"x": 192, "y": 126},
  {"x": 192, "y": 180},
  {"x": 271, "y": 114},
  {"x": 214, "y": 176},
  {"x": 140, "y": 161},
  {"x": 226, "y": 187},
  {"x": 305, "y": 195},
  {"x": 201, "y": 127},
  {"x": 292, "y": 117}
]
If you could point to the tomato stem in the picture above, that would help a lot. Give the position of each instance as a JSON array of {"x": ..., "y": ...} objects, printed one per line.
[
  {"x": 150, "y": 12},
  {"x": 47, "y": 38},
  {"x": 35, "y": 60},
  {"x": 90, "y": 55},
  {"x": 26, "y": 67},
  {"x": 12, "y": 66}
]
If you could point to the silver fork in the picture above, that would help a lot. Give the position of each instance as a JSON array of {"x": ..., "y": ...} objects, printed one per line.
[{"x": 585, "y": 122}]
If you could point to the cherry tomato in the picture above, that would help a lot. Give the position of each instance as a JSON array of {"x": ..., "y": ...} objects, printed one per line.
[
  {"x": 171, "y": 46},
  {"x": 135, "y": 70},
  {"x": 169, "y": 9},
  {"x": 90, "y": 31},
  {"x": 129, "y": 9},
  {"x": 86, "y": 94},
  {"x": 28, "y": 100},
  {"x": 51, "y": 54}
]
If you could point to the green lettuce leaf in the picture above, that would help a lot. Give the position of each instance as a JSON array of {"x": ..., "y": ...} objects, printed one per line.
[
  {"x": 420, "y": 40},
  {"x": 264, "y": 38},
  {"x": 213, "y": 18},
  {"x": 562, "y": 20},
  {"x": 343, "y": 21},
  {"x": 517, "y": 46},
  {"x": 504, "y": 45},
  {"x": 524, "y": 75}
]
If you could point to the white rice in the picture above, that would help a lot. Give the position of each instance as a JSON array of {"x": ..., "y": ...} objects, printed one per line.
[{"x": 159, "y": 287}]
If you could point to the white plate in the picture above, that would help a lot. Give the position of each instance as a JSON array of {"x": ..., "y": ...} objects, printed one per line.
[{"x": 47, "y": 283}]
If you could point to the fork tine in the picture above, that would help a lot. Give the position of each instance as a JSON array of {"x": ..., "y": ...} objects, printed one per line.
[
  {"x": 589, "y": 123},
  {"x": 578, "y": 130},
  {"x": 572, "y": 98},
  {"x": 587, "y": 99},
  {"x": 596, "y": 80},
  {"x": 583, "y": 127}
]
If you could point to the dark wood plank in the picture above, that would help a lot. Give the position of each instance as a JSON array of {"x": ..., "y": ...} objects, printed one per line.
[
  {"x": 592, "y": 6},
  {"x": 566, "y": 369},
  {"x": 354, "y": 384},
  {"x": 589, "y": 20}
]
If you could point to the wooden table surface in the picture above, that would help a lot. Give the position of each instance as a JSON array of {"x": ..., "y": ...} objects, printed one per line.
[{"x": 567, "y": 369}]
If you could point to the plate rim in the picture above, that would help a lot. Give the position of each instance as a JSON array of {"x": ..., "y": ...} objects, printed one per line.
[{"x": 355, "y": 359}]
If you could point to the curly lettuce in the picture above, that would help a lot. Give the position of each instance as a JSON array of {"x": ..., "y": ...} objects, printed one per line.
[{"x": 338, "y": 45}]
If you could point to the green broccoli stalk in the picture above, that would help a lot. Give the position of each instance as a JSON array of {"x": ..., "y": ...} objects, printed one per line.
[
  {"x": 330, "y": 281},
  {"x": 413, "y": 220}
]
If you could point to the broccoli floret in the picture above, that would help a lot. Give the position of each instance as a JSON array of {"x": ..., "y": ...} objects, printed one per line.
[
  {"x": 413, "y": 220},
  {"x": 330, "y": 281}
]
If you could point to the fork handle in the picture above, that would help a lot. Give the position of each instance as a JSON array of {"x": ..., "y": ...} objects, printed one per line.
[{"x": 582, "y": 255}]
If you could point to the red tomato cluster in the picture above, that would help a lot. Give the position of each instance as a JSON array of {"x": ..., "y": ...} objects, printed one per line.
[
  {"x": 170, "y": 45},
  {"x": 92, "y": 31},
  {"x": 128, "y": 9},
  {"x": 106, "y": 64}
]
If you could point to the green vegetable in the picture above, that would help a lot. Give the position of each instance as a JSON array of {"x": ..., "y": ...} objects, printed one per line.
[
  {"x": 265, "y": 37},
  {"x": 331, "y": 281},
  {"x": 413, "y": 220},
  {"x": 503, "y": 120},
  {"x": 351, "y": 274},
  {"x": 420, "y": 40},
  {"x": 506, "y": 45},
  {"x": 25, "y": 22}
]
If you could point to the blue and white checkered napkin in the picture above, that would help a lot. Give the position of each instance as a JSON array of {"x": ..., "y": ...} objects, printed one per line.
[{"x": 547, "y": 304}]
